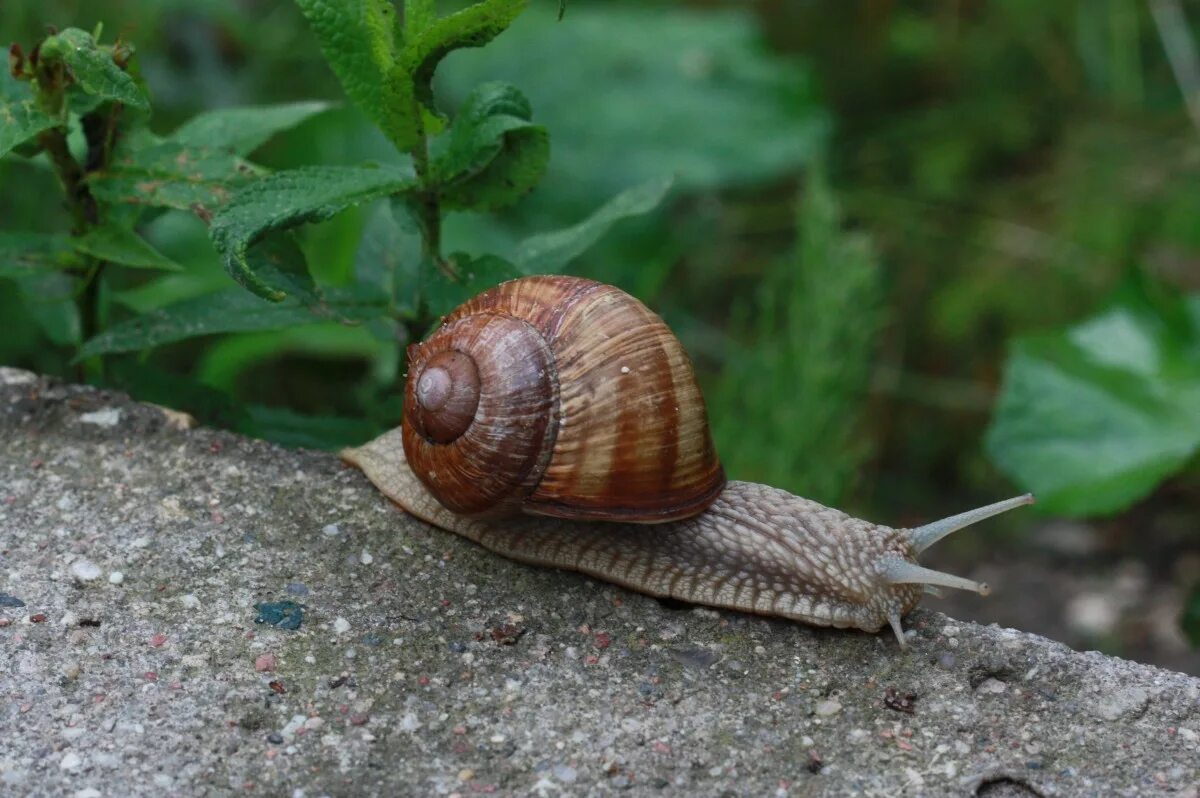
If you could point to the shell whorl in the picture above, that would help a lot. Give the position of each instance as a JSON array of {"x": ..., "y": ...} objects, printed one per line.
[{"x": 559, "y": 396}]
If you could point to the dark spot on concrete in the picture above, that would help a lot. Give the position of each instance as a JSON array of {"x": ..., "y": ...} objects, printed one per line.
[
  {"x": 1005, "y": 787},
  {"x": 281, "y": 614}
]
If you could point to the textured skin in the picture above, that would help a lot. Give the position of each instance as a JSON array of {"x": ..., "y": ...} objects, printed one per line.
[{"x": 756, "y": 549}]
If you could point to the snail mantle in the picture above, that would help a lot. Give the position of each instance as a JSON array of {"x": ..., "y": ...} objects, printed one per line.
[{"x": 427, "y": 665}]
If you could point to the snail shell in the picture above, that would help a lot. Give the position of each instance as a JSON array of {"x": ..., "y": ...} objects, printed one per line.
[{"x": 559, "y": 396}]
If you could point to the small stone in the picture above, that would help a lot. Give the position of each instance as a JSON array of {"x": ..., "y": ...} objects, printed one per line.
[
  {"x": 70, "y": 762},
  {"x": 108, "y": 417},
  {"x": 158, "y": 640},
  {"x": 88, "y": 792},
  {"x": 116, "y": 578},
  {"x": 85, "y": 570},
  {"x": 359, "y": 719},
  {"x": 264, "y": 663},
  {"x": 565, "y": 773},
  {"x": 991, "y": 685},
  {"x": 275, "y": 738},
  {"x": 1131, "y": 701},
  {"x": 297, "y": 589},
  {"x": 341, "y": 625},
  {"x": 71, "y": 670},
  {"x": 331, "y": 530},
  {"x": 365, "y": 558},
  {"x": 828, "y": 707}
]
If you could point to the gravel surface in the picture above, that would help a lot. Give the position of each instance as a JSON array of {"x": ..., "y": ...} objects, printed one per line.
[{"x": 183, "y": 611}]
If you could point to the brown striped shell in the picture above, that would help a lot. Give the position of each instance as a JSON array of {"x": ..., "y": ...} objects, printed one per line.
[{"x": 559, "y": 396}]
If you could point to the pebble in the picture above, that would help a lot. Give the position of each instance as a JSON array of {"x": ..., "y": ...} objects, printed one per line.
[
  {"x": 366, "y": 558},
  {"x": 88, "y": 792},
  {"x": 85, "y": 570},
  {"x": 828, "y": 707},
  {"x": 108, "y": 417},
  {"x": 264, "y": 663},
  {"x": 991, "y": 685},
  {"x": 331, "y": 530},
  {"x": 297, "y": 589},
  {"x": 116, "y": 578},
  {"x": 341, "y": 625},
  {"x": 70, "y": 762},
  {"x": 10, "y": 601},
  {"x": 158, "y": 640},
  {"x": 565, "y": 773},
  {"x": 275, "y": 738},
  {"x": 1119, "y": 703}
]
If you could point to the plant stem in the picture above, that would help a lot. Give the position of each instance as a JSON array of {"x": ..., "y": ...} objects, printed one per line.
[{"x": 80, "y": 202}]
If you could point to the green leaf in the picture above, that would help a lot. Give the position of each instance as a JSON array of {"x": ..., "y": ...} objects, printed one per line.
[
  {"x": 26, "y": 254},
  {"x": 474, "y": 26},
  {"x": 360, "y": 40},
  {"x": 289, "y": 199},
  {"x": 230, "y": 311},
  {"x": 92, "y": 67},
  {"x": 418, "y": 15},
  {"x": 124, "y": 246},
  {"x": 21, "y": 122},
  {"x": 240, "y": 131},
  {"x": 171, "y": 174},
  {"x": 389, "y": 255},
  {"x": 290, "y": 428},
  {"x": 443, "y": 295},
  {"x": 1091, "y": 419},
  {"x": 50, "y": 299},
  {"x": 492, "y": 154},
  {"x": 549, "y": 252}
]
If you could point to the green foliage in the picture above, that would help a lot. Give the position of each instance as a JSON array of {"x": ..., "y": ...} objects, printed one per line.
[
  {"x": 1093, "y": 418},
  {"x": 289, "y": 199},
  {"x": 21, "y": 122},
  {"x": 788, "y": 407},
  {"x": 1190, "y": 621},
  {"x": 124, "y": 247},
  {"x": 91, "y": 68},
  {"x": 492, "y": 154}
]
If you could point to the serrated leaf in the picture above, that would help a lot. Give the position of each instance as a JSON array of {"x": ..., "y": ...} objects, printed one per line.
[
  {"x": 170, "y": 174},
  {"x": 443, "y": 295},
  {"x": 26, "y": 254},
  {"x": 230, "y": 311},
  {"x": 389, "y": 255},
  {"x": 360, "y": 40},
  {"x": 473, "y": 26},
  {"x": 240, "y": 131},
  {"x": 476, "y": 136},
  {"x": 1091, "y": 419},
  {"x": 549, "y": 252},
  {"x": 92, "y": 67},
  {"x": 21, "y": 122},
  {"x": 289, "y": 199},
  {"x": 125, "y": 247}
]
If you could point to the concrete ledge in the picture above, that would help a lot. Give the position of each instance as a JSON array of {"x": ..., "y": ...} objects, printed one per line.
[{"x": 424, "y": 665}]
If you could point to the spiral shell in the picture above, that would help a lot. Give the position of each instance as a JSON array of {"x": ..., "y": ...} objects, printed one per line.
[{"x": 559, "y": 396}]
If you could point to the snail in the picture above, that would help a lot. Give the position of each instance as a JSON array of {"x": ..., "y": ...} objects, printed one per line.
[{"x": 557, "y": 421}]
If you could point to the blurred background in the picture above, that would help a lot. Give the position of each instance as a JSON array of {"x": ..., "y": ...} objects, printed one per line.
[{"x": 880, "y": 209}]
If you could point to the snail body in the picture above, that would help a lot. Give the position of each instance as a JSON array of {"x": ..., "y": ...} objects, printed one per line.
[{"x": 557, "y": 421}]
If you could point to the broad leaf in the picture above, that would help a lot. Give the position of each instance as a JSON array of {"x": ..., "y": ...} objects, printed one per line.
[
  {"x": 240, "y": 131},
  {"x": 443, "y": 295},
  {"x": 26, "y": 254},
  {"x": 50, "y": 299},
  {"x": 359, "y": 39},
  {"x": 21, "y": 122},
  {"x": 492, "y": 154},
  {"x": 389, "y": 255},
  {"x": 92, "y": 67},
  {"x": 125, "y": 247},
  {"x": 1093, "y": 418},
  {"x": 549, "y": 252},
  {"x": 473, "y": 26},
  {"x": 171, "y": 174},
  {"x": 289, "y": 199},
  {"x": 230, "y": 311}
]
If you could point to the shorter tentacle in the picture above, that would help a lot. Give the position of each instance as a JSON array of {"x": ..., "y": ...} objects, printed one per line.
[{"x": 897, "y": 571}]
